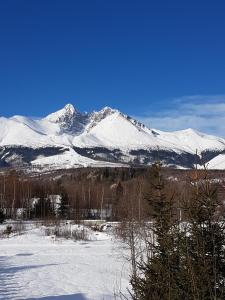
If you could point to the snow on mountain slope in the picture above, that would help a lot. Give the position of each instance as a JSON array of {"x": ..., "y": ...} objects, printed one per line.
[
  {"x": 28, "y": 132},
  {"x": 217, "y": 163},
  {"x": 69, "y": 159},
  {"x": 191, "y": 140},
  {"x": 106, "y": 129},
  {"x": 116, "y": 131},
  {"x": 113, "y": 130},
  {"x": 21, "y": 131}
]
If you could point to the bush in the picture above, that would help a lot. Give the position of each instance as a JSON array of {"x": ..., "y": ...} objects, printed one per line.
[
  {"x": 2, "y": 217},
  {"x": 79, "y": 233}
]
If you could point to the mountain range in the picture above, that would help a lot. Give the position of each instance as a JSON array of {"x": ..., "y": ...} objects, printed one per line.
[{"x": 68, "y": 138}]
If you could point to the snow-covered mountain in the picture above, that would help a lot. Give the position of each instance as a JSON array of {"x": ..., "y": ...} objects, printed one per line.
[{"x": 69, "y": 138}]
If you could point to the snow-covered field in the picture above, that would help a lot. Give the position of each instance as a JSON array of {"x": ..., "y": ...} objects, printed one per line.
[{"x": 36, "y": 266}]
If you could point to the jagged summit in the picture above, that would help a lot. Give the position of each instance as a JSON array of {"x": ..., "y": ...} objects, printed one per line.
[
  {"x": 97, "y": 116},
  {"x": 108, "y": 110},
  {"x": 69, "y": 108},
  {"x": 67, "y": 111},
  {"x": 68, "y": 118},
  {"x": 71, "y": 120}
]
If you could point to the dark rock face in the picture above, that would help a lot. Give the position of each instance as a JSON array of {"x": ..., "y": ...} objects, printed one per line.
[
  {"x": 75, "y": 124},
  {"x": 102, "y": 154}
]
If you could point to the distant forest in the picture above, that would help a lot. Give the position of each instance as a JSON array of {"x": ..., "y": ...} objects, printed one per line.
[{"x": 89, "y": 193}]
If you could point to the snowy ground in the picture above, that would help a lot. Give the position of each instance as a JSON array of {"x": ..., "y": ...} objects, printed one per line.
[{"x": 35, "y": 266}]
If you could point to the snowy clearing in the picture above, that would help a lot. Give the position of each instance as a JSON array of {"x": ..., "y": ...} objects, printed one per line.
[{"x": 36, "y": 266}]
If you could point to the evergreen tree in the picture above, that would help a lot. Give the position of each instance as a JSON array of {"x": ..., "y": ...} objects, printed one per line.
[
  {"x": 63, "y": 210},
  {"x": 204, "y": 262},
  {"x": 158, "y": 276},
  {"x": 188, "y": 259}
]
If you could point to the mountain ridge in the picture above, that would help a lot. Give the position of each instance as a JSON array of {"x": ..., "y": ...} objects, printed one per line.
[{"x": 101, "y": 136}]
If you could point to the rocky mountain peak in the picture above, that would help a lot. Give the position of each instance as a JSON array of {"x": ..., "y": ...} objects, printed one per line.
[{"x": 68, "y": 118}]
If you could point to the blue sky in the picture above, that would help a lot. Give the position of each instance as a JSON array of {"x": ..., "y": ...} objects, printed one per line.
[{"x": 160, "y": 61}]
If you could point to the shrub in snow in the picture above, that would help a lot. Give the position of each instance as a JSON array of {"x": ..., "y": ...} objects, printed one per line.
[
  {"x": 69, "y": 232},
  {"x": 19, "y": 227},
  {"x": 8, "y": 230},
  {"x": 2, "y": 217}
]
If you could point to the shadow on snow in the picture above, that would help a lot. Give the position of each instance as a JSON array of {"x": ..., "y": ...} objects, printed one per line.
[
  {"x": 9, "y": 288},
  {"x": 62, "y": 297}
]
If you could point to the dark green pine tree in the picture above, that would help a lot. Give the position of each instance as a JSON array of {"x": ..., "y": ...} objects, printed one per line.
[
  {"x": 159, "y": 276},
  {"x": 63, "y": 210},
  {"x": 204, "y": 259}
]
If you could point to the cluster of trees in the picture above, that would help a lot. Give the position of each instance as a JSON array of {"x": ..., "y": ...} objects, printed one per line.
[
  {"x": 83, "y": 193},
  {"x": 180, "y": 254}
]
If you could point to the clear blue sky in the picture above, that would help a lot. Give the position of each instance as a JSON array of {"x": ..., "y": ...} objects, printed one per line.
[{"x": 145, "y": 58}]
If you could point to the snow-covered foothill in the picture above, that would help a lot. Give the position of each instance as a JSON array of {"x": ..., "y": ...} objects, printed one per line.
[{"x": 217, "y": 163}]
